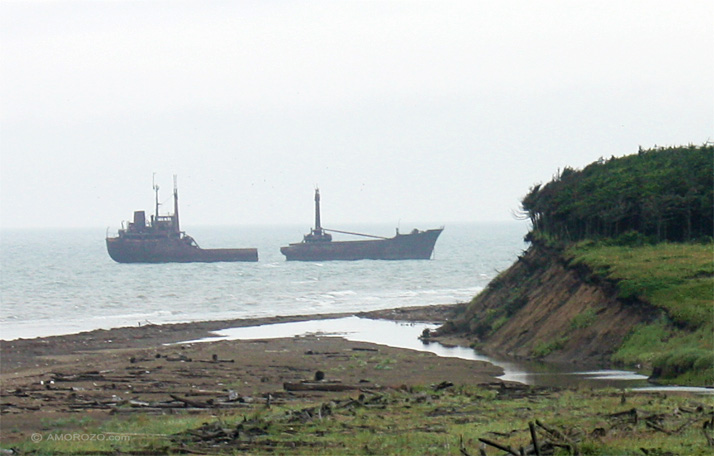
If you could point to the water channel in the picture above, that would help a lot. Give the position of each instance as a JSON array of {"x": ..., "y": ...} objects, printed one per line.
[{"x": 406, "y": 335}]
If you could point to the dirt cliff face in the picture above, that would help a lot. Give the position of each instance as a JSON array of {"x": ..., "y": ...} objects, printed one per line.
[{"x": 542, "y": 308}]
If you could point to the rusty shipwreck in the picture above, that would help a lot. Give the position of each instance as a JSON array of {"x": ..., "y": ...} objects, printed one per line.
[
  {"x": 162, "y": 241},
  {"x": 319, "y": 246}
]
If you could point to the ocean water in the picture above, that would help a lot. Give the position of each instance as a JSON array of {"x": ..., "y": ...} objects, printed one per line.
[{"x": 62, "y": 281}]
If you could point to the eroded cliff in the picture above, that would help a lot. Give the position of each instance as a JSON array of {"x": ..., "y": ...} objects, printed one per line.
[{"x": 541, "y": 307}]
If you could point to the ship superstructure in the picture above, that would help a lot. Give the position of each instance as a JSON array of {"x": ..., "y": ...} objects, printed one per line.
[
  {"x": 319, "y": 246},
  {"x": 160, "y": 240}
]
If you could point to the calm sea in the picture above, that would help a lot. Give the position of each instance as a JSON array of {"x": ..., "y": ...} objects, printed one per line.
[{"x": 63, "y": 281}]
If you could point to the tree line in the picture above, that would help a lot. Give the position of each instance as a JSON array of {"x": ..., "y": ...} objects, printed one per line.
[{"x": 661, "y": 193}]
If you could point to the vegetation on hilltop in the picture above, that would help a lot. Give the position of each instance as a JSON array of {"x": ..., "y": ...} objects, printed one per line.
[
  {"x": 641, "y": 226},
  {"x": 615, "y": 208},
  {"x": 666, "y": 194}
]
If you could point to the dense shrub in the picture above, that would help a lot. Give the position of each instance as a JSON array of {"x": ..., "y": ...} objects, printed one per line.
[{"x": 661, "y": 194}]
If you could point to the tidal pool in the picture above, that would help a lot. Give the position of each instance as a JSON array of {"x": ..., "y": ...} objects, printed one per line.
[{"x": 406, "y": 335}]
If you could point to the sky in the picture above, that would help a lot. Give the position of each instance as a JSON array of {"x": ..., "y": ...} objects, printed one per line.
[{"x": 402, "y": 112}]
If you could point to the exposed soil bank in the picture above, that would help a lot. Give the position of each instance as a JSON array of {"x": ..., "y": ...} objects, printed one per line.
[{"x": 542, "y": 308}]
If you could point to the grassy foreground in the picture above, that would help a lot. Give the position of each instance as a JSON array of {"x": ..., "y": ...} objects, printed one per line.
[
  {"x": 679, "y": 280},
  {"x": 438, "y": 420}
]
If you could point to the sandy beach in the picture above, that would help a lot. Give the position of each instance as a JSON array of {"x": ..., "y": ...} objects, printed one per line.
[{"x": 104, "y": 374}]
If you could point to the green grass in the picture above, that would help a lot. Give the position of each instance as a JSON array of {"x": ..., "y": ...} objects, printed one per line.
[
  {"x": 420, "y": 421},
  {"x": 678, "y": 279},
  {"x": 143, "y": 432}
]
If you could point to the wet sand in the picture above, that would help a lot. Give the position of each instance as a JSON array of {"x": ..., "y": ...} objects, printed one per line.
[{"x": 104, "y": 374}]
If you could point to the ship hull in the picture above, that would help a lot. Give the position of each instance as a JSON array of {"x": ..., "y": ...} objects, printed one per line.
[
  {"x": 413, "y": 246},
  {"x": 172, "y": 251}
]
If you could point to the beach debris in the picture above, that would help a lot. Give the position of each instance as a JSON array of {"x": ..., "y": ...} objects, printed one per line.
[
  {"x": 192, "y": 403},
  {"x": 544, "y": 445},
  {"x": 217, "y": 434},
  {"x": 545, "y": 439},
  {"x": 284, "y": 425},
  {"x": 134, "y": 359},
  {"x": 462, "y": 448},
  {"x": 319, "y": 386},
  {"x": 707, "y": 431},
  {"x": 620, "y": 419},
  {"x": 316, "y": 353},
  {"x": 215, "y": 359},
  {"x": 365, "y": 349},
  {"x": 311, "y": 413},
  {"x": 91, "y": 376},
  {"x": 178, "y": 358},
  {"x": 441, "y": 386},
  {"x": 567, "y": 439},
  {"x": 500, "y": 446},
  {"x": 534, "y": 438}
]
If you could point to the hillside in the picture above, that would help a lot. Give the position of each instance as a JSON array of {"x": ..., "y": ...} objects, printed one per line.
[
  {"x": 542, "y": 308},
  {"x": 602, "y": 282}
]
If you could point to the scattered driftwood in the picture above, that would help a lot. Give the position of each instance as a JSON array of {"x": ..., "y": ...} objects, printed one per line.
[
  {"x": 218, "y": 435},
  {"x": 441, "y": 386},
  {"x": 92, "y": 376},
  {"x": 540, "y": 446},
  {"x": 311, "y": 413},
  {"x": 318, "y": 386},
  {"x": 328, "y": 354},
  {"x": 547, "y": 438},
  {"x": 192, "y": 403},
  {"x": 178, "y": 358},
  {"x": 134, "y": 360},
  {"x": 5, "y": 406},
  {"x": 707, "y": 428},
  {"x": 215, "y": 360},
  {"x": 534, "y": 438},
  {"x": 624, "y": 418},
  {"x": 559, "y": 439},
  {"x": 462, "y": 448},
  {"x": 157, "y": 410},
  {"x": 501, "y": 447}
]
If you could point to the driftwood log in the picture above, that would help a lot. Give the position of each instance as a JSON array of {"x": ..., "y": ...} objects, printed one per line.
[{"x": 318, "y": 386}]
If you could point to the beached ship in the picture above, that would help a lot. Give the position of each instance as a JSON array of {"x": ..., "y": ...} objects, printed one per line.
[
  {"x": 319, "y": 246},
  {"x": 162, "y": 241}
]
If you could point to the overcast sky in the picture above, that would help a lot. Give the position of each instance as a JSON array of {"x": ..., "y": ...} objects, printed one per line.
[{"x": 413, "y": 111}]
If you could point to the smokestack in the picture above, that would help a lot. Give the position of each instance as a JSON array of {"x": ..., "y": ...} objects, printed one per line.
[{"x": 318, "y": 227}]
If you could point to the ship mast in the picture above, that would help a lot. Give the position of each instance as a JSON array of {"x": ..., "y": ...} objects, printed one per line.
[
  {"x": 318, "y": 228},
  {"x": 156, "y": 191},
  {"x": 176, "y": 212}
]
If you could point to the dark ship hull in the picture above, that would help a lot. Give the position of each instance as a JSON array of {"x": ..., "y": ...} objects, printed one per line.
[
  {"x": 172, "y": 251},
  {"x": 418, "y": 245}
]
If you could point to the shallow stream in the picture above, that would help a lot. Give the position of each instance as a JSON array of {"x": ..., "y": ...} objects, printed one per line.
[{"x": 406, "y": 335}]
